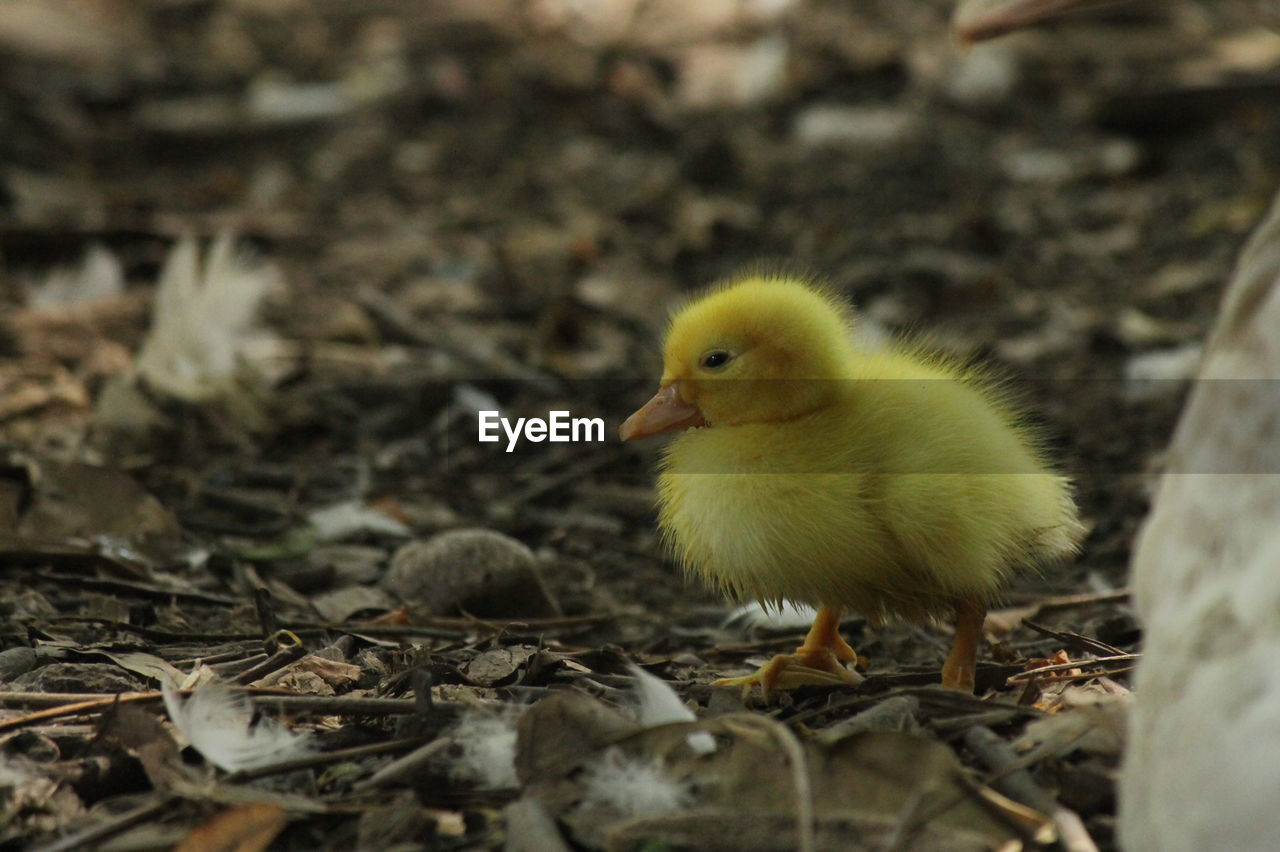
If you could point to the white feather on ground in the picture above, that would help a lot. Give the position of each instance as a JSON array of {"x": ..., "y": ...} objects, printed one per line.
[
  {"x": 203, "y": 316},
  {"x": 218, "y": 723},
  {"x": 98, "y": 276},
  {"x": 339, "y": 521},
  {"x": 786, "y": 616},
  {"x": 488, "y": 743},
  {"x": 656, "y": 704},
  {"x": 633, "y": 787}
]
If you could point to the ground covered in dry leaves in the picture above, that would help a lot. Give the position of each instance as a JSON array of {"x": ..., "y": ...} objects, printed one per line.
[{"x": 493, "y": 204}]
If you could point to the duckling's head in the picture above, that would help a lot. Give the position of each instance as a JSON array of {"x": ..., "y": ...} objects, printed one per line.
[{"x": 756, "y": 350}]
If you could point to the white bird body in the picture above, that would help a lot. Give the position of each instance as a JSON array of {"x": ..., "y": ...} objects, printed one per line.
[{"x": 1201, "y": 769}]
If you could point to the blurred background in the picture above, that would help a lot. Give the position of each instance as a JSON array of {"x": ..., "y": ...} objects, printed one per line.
[
  {"x": 495, "y": 203},
  {"x": 520, "y": 189}
]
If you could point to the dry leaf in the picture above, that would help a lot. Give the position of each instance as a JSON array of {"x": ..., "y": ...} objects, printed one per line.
[
  {"x": 499, "y": 664},
  {"x": 250, "y": 828}
]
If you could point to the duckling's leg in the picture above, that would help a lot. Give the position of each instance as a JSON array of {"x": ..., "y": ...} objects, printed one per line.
[
  {"x": 960, "y": 669},
  {"x": 820, "y": 660}
]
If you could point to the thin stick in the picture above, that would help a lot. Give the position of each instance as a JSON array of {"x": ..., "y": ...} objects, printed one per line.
[
  {"x": 979, "y": 20},
  {"x": 1063, "y": 678},
  {"x": 1018, "y": 784},
  {"x": 1074, "y": 664},
  {"x": 1082, "y": 643},
  {"x": 420, "y": 332},
  {"x": 1057, "y": 602},
  {"x": 323, "y": 759},
  {"x": 274, "y": 663},
  {"x": 75, "y": 704},
  {"x": 108, "y": 828},
  {"x": 130, "y": 587},
  {"x": 399, "y": 768}
]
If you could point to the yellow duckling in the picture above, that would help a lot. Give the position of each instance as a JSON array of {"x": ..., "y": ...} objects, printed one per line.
[{"x": 886, "y": 480}]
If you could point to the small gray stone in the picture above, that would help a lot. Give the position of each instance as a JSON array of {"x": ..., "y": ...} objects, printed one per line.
[
  {"x": 98, "y": 678},
  {"x": 16, "y": 661},
  {"x": 480, "y": 571}
]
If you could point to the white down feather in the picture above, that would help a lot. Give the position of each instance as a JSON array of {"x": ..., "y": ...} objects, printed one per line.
[
  {"x": 219, "y": 724},
  {"x": 203, "y": 315}
]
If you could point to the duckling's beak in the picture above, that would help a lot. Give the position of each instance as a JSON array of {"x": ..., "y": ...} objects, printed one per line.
[{"x": 666, "y": 412}]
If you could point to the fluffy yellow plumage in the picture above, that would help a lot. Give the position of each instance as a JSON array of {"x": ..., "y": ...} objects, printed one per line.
[{"x": 887, "y": 480}]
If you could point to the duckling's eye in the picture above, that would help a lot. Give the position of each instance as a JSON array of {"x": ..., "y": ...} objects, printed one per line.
[{"x": 715, "y": 359}]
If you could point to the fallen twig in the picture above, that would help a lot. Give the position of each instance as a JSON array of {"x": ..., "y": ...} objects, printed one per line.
[
  {"x": 108, "y": 828},
  {"x": 1075, "y": 640},
  {"x": 407, "y": 765},
  {"x": 323, "y": 759},
  {"x": 1059, "y": 602},
  {"x": 142, "y": 590},
  {"x": 76, "y": 704},
  {"x": 1074, "y": 664},
  {"x": 1018, "y": 784}
]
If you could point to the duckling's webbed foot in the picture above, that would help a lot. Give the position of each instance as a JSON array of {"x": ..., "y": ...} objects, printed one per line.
[{"x": 819, "y": 661}]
